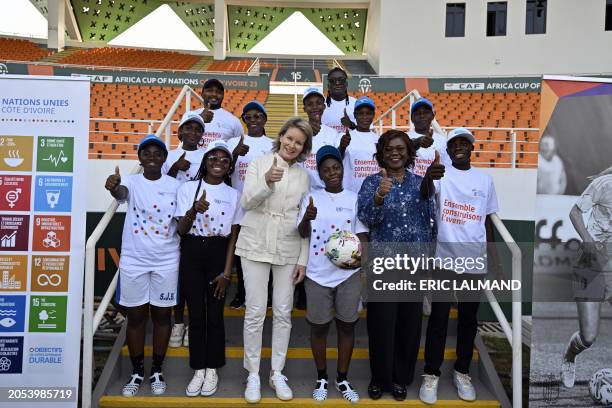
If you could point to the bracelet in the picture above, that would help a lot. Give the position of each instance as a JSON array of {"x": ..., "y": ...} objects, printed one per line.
[{"x": 227, "y": 278}]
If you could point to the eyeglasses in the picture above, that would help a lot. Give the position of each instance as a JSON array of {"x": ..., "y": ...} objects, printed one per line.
[
  {"x": 339, "y": 81},
  {"x": 215, "y": 159}
]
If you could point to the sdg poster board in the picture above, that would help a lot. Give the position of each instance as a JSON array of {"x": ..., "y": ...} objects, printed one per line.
[{"x": 44, "y": 126}]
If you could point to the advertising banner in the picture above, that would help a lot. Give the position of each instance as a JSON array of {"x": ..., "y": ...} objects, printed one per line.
[{"x": 44, "y": 126}]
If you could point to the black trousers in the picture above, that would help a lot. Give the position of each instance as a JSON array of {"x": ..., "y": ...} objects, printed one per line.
[
  {"x": 203, "y": 259},
  {"x": 394, "y": 332}
]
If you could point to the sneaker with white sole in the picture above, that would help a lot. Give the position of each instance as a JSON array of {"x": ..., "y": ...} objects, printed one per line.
[
  {"x": 252, "y": 392},
  {"x": 176, "y": 336},
  {"x": 428, "y": 393},
  {"x": 465, "y": 389},
  {"x": 195, "y": 385},
  {"x": 278, "y": 382},
  {"x": 320, "y": 391},
  {"x": 158, "y": 385},
  {"x": 568, "y": 373},
  {"x": 186, "y": 337},
  {"x": 130, "y": 389},
  {"x": 210, "y": 382},
  {"x": 348, "y": 392}
]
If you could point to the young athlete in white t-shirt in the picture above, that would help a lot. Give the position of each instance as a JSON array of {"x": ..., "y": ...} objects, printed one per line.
[
  {"x": 331, "y": 292},
  {"x": 207, "y": 222},
  {"x": 340, "y": 107},
  {"x": 359, "y": 146},
  {"x": 183, "y": 163},
  {"x": 552, "y": 178},
  {"x": 148, "y": 266},
  {"x": 426, "y": 141},
  {"x": 244, "y": 149},
  {"x": 314, "y": 107},
  {"x": 220, "y": 124},
  {"x": 465, "y": 200}
]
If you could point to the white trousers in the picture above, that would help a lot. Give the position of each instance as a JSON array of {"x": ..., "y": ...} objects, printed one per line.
[{"x": 256, "y": 276}]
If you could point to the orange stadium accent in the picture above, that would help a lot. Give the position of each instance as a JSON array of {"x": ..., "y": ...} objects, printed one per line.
[
  {"x": 134, "y": 58},
  {"x": 241, "y": 65},
  {"x": 21, "y": 50}
]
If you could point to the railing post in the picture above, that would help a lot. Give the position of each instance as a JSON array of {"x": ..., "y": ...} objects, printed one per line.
[
  {"x": 168, "y": 131},
  {"x": 150, "y": 128},
  {"x": 393, "y": 124},
  {"x": 513, "y": 138},
  {"x": 187, "y": 101}
]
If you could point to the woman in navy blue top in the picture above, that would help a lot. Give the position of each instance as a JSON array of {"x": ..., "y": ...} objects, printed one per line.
[{"x": 395, "y": 205}]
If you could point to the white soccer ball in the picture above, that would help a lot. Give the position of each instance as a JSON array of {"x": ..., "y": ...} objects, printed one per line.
[
  {"x": 343, "y": 247},
  {"x": 600, "y": 386}
]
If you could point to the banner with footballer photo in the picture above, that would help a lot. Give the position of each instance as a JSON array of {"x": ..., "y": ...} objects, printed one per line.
[
  {"x": 44, "y": 130},
  {"x": 572, "y": 313}
]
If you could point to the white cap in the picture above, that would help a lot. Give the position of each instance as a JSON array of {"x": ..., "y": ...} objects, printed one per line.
[
  {"x": 460, "y": 132},
  {"x": 313, "y": 90},
  {"x": 218, "y": 144},
  {"x": 192, "y": 117}
]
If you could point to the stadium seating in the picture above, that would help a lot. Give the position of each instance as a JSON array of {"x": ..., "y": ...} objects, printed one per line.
[
  {"x": 132, "y": 58},
  {"x": 231, "y": 65},
  {"x": 21, "y": 50},
  {"x": 141, "y": 106}
]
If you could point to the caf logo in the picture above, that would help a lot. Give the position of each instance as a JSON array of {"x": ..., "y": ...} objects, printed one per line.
[
  {"x": 365, "y": 85},
  {"x": 3, "y": 69}
]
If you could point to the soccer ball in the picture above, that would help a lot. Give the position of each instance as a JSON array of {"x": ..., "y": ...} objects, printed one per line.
[
  {"x": 343, "y": 247},
  {"x": 600, "y": 386}
]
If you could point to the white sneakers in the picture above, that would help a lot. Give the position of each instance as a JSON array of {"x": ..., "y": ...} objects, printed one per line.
[
  {"x": 568, "y": 373},
  {"x": 465, "y": 389},
  {"x": 176, "y": 336},
  {"x": 278, "y": 382},
  {"x": 195, "y": 385},
  {"x": 252, "y": 392},
  {"x": 428, "y": 393},
  {"x": 204, "y": 382}
]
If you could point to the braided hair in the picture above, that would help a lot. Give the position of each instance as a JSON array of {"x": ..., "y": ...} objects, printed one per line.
[{"x": 328, "y": 98}]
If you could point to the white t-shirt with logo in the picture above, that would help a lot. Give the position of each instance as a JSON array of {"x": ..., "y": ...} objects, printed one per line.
[
  {"x": 551, "y": 174},
  {"x": 192, "y": 156},
  {"x": 326, "y": 136},
  {"x": 426, "y": 155},
  {"x": 149, "y": 240},
  {"x": 224, "y": 204},
  {"x": 333, "y": 114},
  {"x": 359, "y": 161},
  {"x": 464, "y": 199},
  {"x": 223, "y": 125},
  {"x": 335, "y": 212},
  {"x": 258, "y": 146}
]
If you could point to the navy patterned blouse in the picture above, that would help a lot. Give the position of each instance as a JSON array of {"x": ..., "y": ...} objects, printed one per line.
[{"x": 403, "y": 217}]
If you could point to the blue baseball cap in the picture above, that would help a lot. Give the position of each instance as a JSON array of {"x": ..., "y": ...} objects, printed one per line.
[
  {"x": 328, "y": 151},
  {"x": 460, "y": 132},
  {"x": 152, "y": 139},
  {"x": 364, "y": 101},
  {"x": 313, "y": 90},
  {"x": 254, "y": 105},
  {"x": 422, "y": 102}
]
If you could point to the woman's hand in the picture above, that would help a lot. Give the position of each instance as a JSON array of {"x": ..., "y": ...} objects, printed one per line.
[
  {"x": 221, "y": 283},
  {"x": 274, "y": 174},
  {"x": 298, "y": 274}
]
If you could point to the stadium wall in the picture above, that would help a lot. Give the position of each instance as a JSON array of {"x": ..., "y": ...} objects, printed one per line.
[{"x": 409, "y": 40}]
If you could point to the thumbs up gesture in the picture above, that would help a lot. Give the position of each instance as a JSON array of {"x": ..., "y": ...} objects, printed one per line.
[
  {"x": 113, "y": 181},
  {"x": 311, "y": 210},
  {"x": 385, "y": 184},
  {"x": 241, "y": 149},
  {"x": 435, "y": 171},
  {"x": 346, "y": 121},
  {"x": 182, "y": 163},
  {"x": 274, "y": 174},
  {"x": 207, "y": 114},
  {"x": 201, "y": 206},
  {"x": 344, "y": 141},
  {"x": 315, "y": 123},
  {"x": 427, "y": 140}
]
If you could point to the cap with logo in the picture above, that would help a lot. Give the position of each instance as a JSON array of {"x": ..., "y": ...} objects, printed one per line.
[
  {"x": 460, "y": 132},
  {"x": 328, "y": 151},
  {"x": 422, "y": 102},
  {"x": 254, "y": 105},
  {"x": 364, "y": 101},
  {"x": 152, "y": 139},
  {"x": 313, "y": 90},
  {"x": 191, "y": 117},
  {"x": 218, "y": 145}
]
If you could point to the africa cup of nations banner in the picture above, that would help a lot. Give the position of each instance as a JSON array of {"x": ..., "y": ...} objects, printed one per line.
[{"x": 44, "y": 123}]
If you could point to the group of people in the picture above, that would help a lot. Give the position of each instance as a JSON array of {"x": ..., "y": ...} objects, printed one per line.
[{"x": 266, "y": 207}]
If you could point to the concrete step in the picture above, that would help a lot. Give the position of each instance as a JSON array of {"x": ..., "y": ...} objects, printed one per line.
[
  {"x": 302, "y": 375},
  {"x": 59, "y": 55}
]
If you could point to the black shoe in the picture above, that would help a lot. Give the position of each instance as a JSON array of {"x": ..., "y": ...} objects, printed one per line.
[
  {"x": 399, "y": 392},
  {"x": 375, "y": 391},
  {"x": 237, "y": 303}
]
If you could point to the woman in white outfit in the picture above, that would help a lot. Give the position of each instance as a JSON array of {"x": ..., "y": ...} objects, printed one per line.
[{"x": 273, "y": 189}]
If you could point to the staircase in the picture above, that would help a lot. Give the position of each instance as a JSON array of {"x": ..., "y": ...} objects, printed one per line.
[
  {"x": 280, "y": 108},
  {"x": 55, "y": 57},
  {"x": 202, "y": 64},
  {"x": 300, "y": 370}
]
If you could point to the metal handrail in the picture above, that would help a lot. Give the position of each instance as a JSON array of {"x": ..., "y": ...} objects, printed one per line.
[
  {"x": 92, "y": 319},
  {"x": 254, "y": 69},
  {"x": 514, "y": 334}
]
